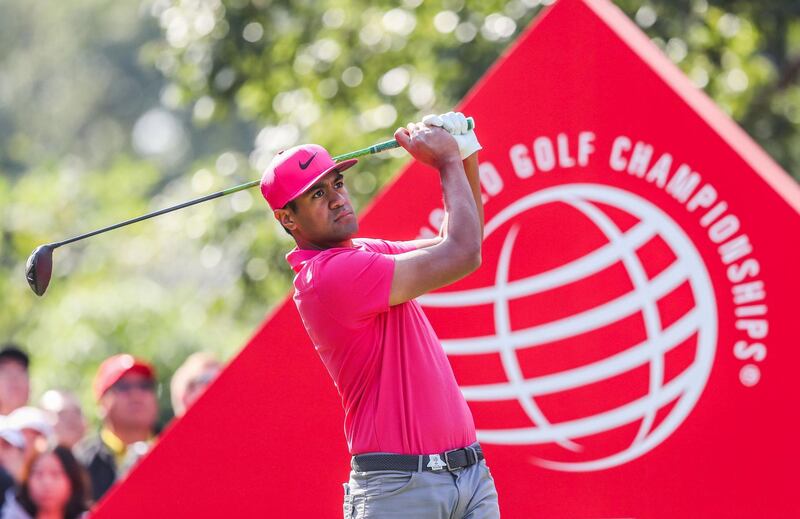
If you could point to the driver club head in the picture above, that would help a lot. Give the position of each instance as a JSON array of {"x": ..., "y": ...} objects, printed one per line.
[{"x": 39, "y": 268}]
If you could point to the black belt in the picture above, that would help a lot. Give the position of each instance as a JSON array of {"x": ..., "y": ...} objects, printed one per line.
[{"x": 450, "y": 460}]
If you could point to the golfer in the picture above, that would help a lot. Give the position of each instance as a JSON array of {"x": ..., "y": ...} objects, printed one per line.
[{"x": 407, "y": 424}]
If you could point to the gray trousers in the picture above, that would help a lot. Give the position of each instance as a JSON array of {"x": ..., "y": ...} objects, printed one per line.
[{"x": 467, "y": 493}]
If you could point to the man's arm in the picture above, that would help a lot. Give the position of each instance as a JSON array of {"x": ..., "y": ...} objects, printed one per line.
[
  {"x": 471, "y": 170},
  {"x": 458, "y": 253}
]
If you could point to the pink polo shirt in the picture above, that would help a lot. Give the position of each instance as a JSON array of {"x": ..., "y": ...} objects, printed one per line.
[{"x": 397, "y": 387}]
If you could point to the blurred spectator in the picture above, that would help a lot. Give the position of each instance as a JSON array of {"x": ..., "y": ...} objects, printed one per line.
[
  {"x": 33, "y": 424},
  {"x": 125, "y": 390},
  {"x": 12, "y": 457},
  {"x": 54, "y": 486},
  {"x": 14, "y": 381},
  {"x": 65, "y": 415},
  {"x": 191, "y": 379}
]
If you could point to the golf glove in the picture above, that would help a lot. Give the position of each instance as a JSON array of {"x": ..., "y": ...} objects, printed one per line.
[{"x": 456, "y": 124}]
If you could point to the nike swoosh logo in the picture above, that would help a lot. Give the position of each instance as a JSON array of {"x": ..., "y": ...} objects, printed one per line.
[{"x": 304, "y": 165}]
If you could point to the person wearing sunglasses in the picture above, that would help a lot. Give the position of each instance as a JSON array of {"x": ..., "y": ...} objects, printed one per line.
[
  {"x": 191, "y": 379},
  {"x": 125, "y": 389}
]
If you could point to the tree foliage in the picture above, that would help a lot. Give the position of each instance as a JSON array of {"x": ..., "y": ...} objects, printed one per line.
[{"x": 109, "y": 109}]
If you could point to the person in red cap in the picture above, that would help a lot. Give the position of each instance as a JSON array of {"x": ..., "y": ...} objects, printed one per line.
[
  {"x": 125, "y": 389},
  {"x": 407, "y": 424}
]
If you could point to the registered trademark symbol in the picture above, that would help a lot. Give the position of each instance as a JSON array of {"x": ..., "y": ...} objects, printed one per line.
[{"x": 749, "y": 375}]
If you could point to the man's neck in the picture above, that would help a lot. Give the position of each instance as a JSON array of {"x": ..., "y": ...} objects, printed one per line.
[
  {"x": 49, "y": 514},
  {"x": 304, "y": 244},
  {"x": 129, "y": 436}
]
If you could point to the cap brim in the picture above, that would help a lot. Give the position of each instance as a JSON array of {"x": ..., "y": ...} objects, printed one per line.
[
  {"x": 41, "y": 427},
  {"x": 13, "y": 438},
  {"x": 339, "y": 166}
]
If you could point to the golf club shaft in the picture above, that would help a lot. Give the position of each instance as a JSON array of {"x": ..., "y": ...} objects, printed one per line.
[
  {"x": 159, "y": 212},
  {"x": 376, "y": 148}
]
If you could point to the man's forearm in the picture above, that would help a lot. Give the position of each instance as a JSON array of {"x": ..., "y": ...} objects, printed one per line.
[
  {"x": 462, "y": 220},
  {"x": 472, "y": 172}
]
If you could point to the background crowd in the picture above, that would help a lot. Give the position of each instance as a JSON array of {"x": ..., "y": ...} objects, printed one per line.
[{"x": 51, "y": 463}]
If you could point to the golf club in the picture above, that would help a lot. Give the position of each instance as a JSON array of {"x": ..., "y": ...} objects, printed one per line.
[{"x": 39, "y": 266}]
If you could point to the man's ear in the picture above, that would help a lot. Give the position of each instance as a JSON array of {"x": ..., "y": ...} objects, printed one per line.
[{"x": 286, "y": 218}]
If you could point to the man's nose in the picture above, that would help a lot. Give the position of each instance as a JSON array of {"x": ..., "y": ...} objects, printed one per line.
[{"x": 337, "y": 199}]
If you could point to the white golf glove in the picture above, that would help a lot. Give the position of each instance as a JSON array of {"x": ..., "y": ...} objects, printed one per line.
[{"x": 456, "y": 124}]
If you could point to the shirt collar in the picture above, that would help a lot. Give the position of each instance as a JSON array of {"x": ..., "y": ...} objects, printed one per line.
[
  {"x": 113, "y": 442},
  {"x": 298, "y": 258},
  {"x": 116, "y": 445}
]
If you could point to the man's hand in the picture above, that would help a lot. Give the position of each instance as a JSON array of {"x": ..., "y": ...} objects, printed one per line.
[
  {"x": 456, "y": 125},
  {"x": 429, "y": 145}
]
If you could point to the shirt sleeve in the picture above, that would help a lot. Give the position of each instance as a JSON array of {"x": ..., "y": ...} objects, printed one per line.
[
  {"x": 388, "y": 247},
  {"x": 354, "y": 285}
]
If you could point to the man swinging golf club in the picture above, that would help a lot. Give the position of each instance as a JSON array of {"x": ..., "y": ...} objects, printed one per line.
[{"x": 407, "y": 425}]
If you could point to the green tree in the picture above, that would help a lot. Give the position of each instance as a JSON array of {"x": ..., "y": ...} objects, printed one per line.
[{"x": 317, "y": 70}]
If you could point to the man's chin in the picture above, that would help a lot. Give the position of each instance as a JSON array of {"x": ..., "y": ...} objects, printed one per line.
[{"x": 350, "y": 229}]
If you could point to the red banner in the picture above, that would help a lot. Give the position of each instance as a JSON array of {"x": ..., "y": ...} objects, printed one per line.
[{"x": 626, "y": 347}]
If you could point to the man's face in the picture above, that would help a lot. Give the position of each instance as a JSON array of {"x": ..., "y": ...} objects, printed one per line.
[
  {"x": 324, "y": 215},
  {"x": 198, "y": 384},
  {"x": 14, "y": 386},
  {"x": 131, "y": 402}
]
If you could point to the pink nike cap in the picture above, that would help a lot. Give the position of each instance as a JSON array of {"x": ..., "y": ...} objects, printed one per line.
[{"x": 295, "y": 170}]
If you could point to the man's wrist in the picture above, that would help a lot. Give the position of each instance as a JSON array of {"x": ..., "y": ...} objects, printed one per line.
[{"x": 450, "y": 163}]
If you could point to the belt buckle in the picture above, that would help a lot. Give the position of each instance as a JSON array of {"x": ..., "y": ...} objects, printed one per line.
[{"x": 447, "y": 460}]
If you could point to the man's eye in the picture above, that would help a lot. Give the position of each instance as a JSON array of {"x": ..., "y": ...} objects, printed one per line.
[
  {"x": 339, "y": 184},
  {"x": 317, "y": 194}
]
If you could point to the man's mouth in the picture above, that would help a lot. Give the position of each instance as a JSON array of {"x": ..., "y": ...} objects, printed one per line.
[{"x": 342, "y": 215}]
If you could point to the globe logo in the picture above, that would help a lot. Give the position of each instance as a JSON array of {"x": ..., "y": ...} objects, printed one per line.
[{"x": 597, "y": 339}]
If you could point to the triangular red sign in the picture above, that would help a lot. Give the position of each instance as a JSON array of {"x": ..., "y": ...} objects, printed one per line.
[{"x": 626, "y": 347}]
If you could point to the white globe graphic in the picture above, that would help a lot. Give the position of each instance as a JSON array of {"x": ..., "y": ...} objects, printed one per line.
[{"x": 668, "y": 395}]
